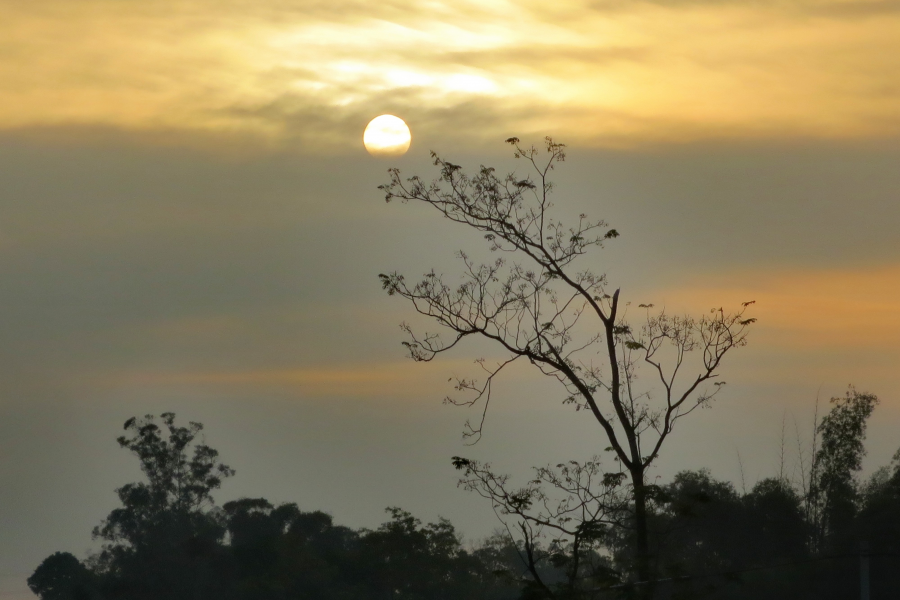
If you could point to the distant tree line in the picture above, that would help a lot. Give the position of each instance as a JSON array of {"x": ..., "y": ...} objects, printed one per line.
[
  {"x": 803, "y": 535},
  {"x": 783, "y": 538},
  {"x": 169, "y": 540}
]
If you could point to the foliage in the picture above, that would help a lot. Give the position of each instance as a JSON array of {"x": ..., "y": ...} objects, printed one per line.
[
  {"x": 283, "y": 552},
  {"x": 562, "y": 517},
  {"x": 170, "y": 540},
  {"x": 566, "y": 536},
  {"x": 165, "y": 539},
  {"x": 63, "y": 577},
  {"x": 409, "y": 561},
  {"x": 834, "y": 491}
]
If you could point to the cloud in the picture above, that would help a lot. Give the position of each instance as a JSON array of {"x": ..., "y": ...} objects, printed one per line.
[{"x": 306, "y": 73}]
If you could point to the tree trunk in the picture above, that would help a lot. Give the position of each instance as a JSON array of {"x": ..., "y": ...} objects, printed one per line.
[{"x": 643, "y": 591}]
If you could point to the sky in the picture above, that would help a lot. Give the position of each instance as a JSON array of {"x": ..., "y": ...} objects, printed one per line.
[{"x": 189, "y": 222}]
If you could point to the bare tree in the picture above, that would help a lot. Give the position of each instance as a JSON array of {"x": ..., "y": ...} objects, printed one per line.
[
  {"x": 572, "y": 506},
  {"x": 542, "y": 307}
]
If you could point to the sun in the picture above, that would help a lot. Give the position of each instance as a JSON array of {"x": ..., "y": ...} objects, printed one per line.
[{"x": 387, "y": 135}]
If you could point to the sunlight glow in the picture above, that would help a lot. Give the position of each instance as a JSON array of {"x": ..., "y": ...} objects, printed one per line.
[{"x": 387, "y": 135}]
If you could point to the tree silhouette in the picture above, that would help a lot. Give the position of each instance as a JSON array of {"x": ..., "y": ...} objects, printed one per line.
[
  {"x": 63, "y": 577},
  {"x": 571, "y": 506},
  {"x": 169, "y": 540},
  {"x": 283, "y": 552},
  {"x": 536, "y": 308},
  {"x": 834, "y": 494},
  {"x": 165, "y": 539}
]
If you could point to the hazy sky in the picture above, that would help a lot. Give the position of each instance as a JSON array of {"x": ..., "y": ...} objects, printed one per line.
[{"x": 189, "y": 222}]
